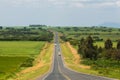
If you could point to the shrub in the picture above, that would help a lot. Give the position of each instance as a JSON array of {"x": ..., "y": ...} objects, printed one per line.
[{"x": 27, "y": 63}]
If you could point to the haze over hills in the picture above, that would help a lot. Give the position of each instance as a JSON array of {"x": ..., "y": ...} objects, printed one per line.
[{"x": 110, "y": 24}]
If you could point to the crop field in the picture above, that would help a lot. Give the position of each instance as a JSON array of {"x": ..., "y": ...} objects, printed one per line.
[
  {"x": 17, "y": 48},
  {"x": 10, "y": 65},
  {"x": 101, "y": 44},
  {"x": 14, "y": 53}
]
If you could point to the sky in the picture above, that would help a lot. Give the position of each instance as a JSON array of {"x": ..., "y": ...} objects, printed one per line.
[{"x": 59, "y": 12}]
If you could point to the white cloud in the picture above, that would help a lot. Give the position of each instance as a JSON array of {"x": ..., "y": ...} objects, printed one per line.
[
  {"x": 23, "y": 1},
  {"x": 59, "y": 3},
  {"x": 87, "y": 3},
  {"x": 112, "y": 3},
  {"x": 78, "y": 5},
  {"x": 105, "y": 4},
  {"x": 64, "y": 3},
  {"x": 118, "y": 3}
]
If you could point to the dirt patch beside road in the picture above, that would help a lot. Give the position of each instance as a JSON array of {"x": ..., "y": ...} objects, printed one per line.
[{"x": 76, "y": 57}]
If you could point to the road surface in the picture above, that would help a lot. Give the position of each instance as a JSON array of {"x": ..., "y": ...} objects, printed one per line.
[{"x": 60, "y": 72}]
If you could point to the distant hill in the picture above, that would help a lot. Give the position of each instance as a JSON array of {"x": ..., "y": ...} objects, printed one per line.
[{"x": 110, "y": 24}]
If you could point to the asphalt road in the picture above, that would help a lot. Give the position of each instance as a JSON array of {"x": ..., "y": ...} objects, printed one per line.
[{"x": 60, "y": 72}]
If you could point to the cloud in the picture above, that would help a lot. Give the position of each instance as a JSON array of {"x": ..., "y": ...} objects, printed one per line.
[
  {"x": 64, "y": 3},
  {"x": 104, "y": 4},
  {"x": 78, "y": 5},
  {"x": 59, "y": 3},
  {"x": 110, "y": 4},
  {"x": 25, "y": 3},
  {"x": 101, "y": 3},
  {"x": 118, "y": 3}
]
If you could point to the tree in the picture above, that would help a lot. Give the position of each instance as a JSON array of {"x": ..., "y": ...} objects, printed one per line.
[
  {"x": 86, "y": 48},
  {"x": 82, "y": 41},
  {"x": 100, "y": 49},
  {"x": 81, "y": 45},
  {"x": 108, "y": 44},
  {"x": 1, "y": 27},
  {"x": 89, "y": 42},
  {"x": 75, "y": 28},
  {"x": 118, "y": 44}
]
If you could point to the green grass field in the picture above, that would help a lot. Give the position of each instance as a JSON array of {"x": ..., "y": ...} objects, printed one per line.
[
  {"x": 101, "y": 44},
  {"x": 13, "y": 54},
  {"x": 10, "y": 65},
  {"x": 17, "y": 48}
]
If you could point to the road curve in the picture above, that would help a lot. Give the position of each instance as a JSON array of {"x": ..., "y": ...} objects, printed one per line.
[{"x": 60, "y": 72}]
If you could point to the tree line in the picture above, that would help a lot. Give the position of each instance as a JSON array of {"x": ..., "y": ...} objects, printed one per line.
[
  {"x": 25, "y": 34},
  {"x": 87, "y": 50}
]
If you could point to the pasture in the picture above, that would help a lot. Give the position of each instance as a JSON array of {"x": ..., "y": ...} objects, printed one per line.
[
  {"x": 10, "y": 65},
  {"x": 101, "y": 44},
  {"x": 15, "y": 53},
  {"x": 20, "y": 48}
]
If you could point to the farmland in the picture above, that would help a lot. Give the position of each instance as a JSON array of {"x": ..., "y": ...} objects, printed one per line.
[
  {"x": 23, "y": 48},
  {"x": 14, "y": 54},
  {"x": 98, "y": 33},
  {"x": 101, "y": 44},
  {"x": 10, "y": 65}
]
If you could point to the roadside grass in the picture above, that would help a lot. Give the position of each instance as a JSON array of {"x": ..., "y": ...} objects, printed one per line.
[
  {"x": 68, "y": 56},
  {"x": 44, "y": 59},
  {"x": 33, "y": 74},
  {"x": 69, "y": 60},
  {"x": 82, "y": 68}
]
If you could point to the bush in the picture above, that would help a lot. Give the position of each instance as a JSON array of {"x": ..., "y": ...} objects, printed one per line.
[{"x": 28, "y": 63}]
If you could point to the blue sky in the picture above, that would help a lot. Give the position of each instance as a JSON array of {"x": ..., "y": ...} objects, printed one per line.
[{"x": 59, "y": 12}]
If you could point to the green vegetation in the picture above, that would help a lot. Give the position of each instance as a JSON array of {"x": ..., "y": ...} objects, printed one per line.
[
  {"x": 97, "y": 33},
  {"x": 15, "y": 56},
  {"x": 23, "y": 48},
  {"x": 10, "y": 65},
  {"x": 101, "y": 44},
  {"x": 25, "y": 34},
  {"x": 19, "y": 48},
  {"x": 104, "y": 60},
  {"x": 104, "y": 67}
]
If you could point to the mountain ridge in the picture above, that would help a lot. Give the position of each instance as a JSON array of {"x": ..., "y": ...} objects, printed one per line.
[{"x": 110, "y": 24}]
